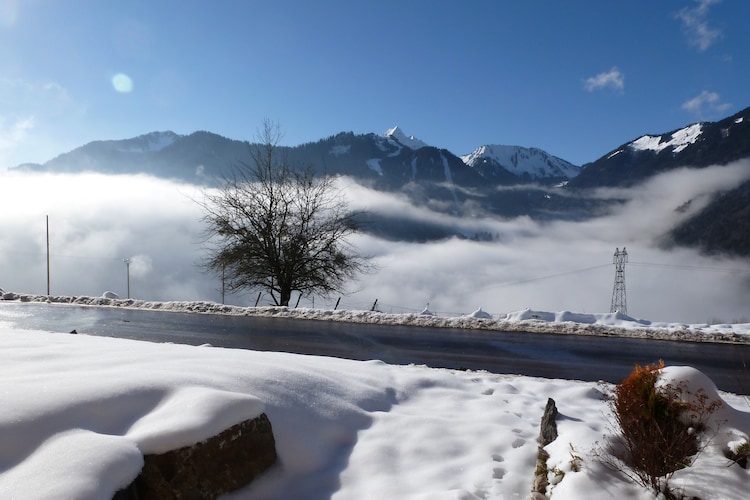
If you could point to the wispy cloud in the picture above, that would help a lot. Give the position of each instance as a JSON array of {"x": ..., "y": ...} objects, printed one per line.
[
  {"x": 612, "y": 79},
  {"x": 706, "y": 103},
  {"x": 696, "y": 27},
  {"x": 14, "y": 132},
  {"x": 35, "y": 119},
  {"x": 16, "y": 94}
]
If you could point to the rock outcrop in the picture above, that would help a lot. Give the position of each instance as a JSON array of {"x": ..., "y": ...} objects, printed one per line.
[
  {"x": 218, "y": 465},
  {"x": 547, "y": 434},
  {"x": 548, "y": 428}
]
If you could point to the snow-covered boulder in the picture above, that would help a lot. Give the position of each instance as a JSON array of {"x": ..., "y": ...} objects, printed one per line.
[
  {"x": 221, "y": 464},
  {"x": 728, "y": 426},
  {"x": 530, "y": 314},
  {"x": 481, "y": 314},
  {"x": 426, "y": 312},
  {"x": 110, "y": 295}
]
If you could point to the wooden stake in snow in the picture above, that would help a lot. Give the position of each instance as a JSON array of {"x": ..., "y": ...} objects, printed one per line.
[{"x": 47, "y": 254}]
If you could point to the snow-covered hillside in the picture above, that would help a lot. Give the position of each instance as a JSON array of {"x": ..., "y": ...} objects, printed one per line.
[
  {"x": 519, "y": 161},
  {"x": 677, "y": 141}
]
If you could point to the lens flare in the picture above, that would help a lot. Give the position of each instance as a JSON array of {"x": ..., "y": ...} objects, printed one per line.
[
  {"x": 8, "y": 13},
  {"x": 122, "y": 83}
]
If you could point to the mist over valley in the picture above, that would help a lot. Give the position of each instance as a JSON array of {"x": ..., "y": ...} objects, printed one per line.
[{"x": 454, "y": 232}]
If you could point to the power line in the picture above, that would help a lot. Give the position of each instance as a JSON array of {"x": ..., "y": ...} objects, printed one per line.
[
  {"x": 641, "y": 264},
  {"x": 550, "y": 276},
  {"x": 63, "y": 256},
  {"x": 689, "y": 267}
]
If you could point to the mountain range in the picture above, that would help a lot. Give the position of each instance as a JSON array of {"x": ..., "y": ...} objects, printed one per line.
[
  {"x": 697, "y": 145},
  {"x": 495, "y": 180}
]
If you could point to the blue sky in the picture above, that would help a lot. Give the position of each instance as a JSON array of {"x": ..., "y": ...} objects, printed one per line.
[{"x": 575, "y": 78}]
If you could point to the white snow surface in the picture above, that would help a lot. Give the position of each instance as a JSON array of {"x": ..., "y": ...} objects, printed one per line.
[
  {"x": 374, "y": 164},
  {"x": 78, "y": 412},
  {"x": 410, "y": 141},
  {"x": 678, "y": 141},
  {"x": 519, "y": 160}
]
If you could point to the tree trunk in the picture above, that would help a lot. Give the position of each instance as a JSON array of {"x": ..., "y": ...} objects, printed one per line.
[{"x": 286, "y": 296}]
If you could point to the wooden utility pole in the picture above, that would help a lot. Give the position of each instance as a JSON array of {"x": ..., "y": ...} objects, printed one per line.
[{"x": 48, "y": 255}]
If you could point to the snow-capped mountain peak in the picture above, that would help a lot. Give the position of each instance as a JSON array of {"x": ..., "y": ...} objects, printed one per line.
[
  {"x": 678, "y": 140},
  {"x": 400, "y": 137},
  {"x": 521, "y": 161}
]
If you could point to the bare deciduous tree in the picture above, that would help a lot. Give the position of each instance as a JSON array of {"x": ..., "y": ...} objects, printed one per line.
[{"x": 275, "y": 228}]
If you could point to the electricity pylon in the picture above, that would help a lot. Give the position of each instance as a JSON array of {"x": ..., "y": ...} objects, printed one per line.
[{"x": 619, "y": 301}]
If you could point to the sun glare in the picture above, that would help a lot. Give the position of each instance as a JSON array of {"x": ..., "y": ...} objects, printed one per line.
[{"x": 122, "y": 83}]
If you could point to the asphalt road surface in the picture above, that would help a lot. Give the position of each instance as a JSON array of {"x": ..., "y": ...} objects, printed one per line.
[{"x": 545, "y": 355}]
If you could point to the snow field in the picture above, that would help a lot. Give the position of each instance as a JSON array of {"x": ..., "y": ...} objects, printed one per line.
[{"x": 78, "y": 411}]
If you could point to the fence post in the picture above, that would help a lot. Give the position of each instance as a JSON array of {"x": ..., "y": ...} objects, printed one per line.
[
  {"x": 298, "y": 299},
  {"x": 258, "y": 299},
  {"x": 337, "y": 304},
  {"x": 374, "y": 304}
]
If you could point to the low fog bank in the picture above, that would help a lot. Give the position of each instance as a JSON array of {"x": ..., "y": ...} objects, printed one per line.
[
  {"x": 96, "y": 221},
  {"x": 567, "y": 265}
]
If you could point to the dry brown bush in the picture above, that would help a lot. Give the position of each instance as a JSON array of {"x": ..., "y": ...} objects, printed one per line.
[{"x": 660, "y": 428}]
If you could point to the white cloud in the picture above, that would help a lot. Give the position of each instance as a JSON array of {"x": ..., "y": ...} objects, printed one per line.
[
  {"x": 696, "y": 27},
  {"x": 613, "y": 79},
  {"x": 566, "y": 265},
  {"x": 14, "y": 132},
  {"x": 140, "y": 265},
  {"x": 36, "y": 118},
  {"x": 96, "y": 221},
  {"x": 705, "y": 103},
  {"x": 18, "y": 95}
]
